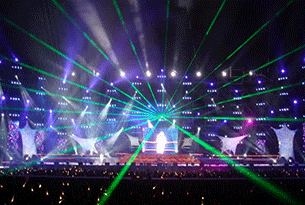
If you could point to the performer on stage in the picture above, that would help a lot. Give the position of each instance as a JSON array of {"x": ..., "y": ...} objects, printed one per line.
[{"x": 161, "y": 142}]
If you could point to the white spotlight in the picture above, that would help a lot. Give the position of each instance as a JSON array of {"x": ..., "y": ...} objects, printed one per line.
[
  {"x": 2, "y": 114},
  {"x": 97, "y": 74},
  {"x": 198, "y": 74},
  {"x": 250, "y": 72},
  {"x": 224, "y": 73},
  {"x": 122, "y": 73},
  {"x": 148, "y": 73},
  {"x": 173, "y": 73},
  {"x": 149, "y": 124},
  {"x": 73, "y": 73}
]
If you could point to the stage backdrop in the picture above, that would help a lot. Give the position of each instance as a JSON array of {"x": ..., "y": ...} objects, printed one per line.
[{"x": 171, "y": 143}]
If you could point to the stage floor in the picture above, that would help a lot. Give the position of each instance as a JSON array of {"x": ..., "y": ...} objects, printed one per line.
[{"x": 149, "y": 159}]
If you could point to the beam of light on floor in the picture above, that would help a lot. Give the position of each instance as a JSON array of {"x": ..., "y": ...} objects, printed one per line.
[
  {"x": 114, "y": 137},
  {"x": 1, "y": 90},
  {"x": 97, "y": 47},
  {"x": 3, "y": 130},
  {"x": 195, "y": 55},
  {"x": 82, "y": 114},
  {"x": 122, "y": 173},
  {"x": 236, "y": 50},
  {"x": 26, "y": 98},
  {"x": 133, "y": 48},
  {"x": 243, "y": 76},
  {"x": 104, "y": 112},
  {"x": 72, "y": 83},
  {"x": 66, "y": 57},
  {"x": 272, "y": 189}
]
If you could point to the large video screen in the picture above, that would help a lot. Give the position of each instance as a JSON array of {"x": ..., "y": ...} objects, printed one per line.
[{"x": 162, "y": 141}]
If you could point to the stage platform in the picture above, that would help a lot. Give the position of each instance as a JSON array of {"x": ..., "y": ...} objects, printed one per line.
[{"x": 194, "y": 159}]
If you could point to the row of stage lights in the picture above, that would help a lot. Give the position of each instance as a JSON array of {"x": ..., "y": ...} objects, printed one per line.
[{"x": 175, "y": 73}]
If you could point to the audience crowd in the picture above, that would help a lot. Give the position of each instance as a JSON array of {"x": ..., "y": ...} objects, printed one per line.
[{"x": 85, "y": 184}]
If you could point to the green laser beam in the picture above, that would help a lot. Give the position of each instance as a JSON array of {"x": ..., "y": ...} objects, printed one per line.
[
  {"x": 272, "y": 189},
  {"x": 236, "y": 50},
  {"x": 67, "y": 151},
  {"x": 242, "y": 118},
  {"x": 70, "y": 82},
  {"x": 245, "y": 75},
  {"x": 69, "y": 112},
  {"x": 262, "y": 92},
  {"x": 79, "y": 28},
  {"x": 166, "y": 33},
  {"x": 246, "y": 96},
  {"x": 117, "y": 8},
  {"x": 152, "y": 93},
  {"x": 195, "y": 55},
  {"x": 165, "y": 46},
  {"x": 107, "y": 136},
  {"x": 117, "y": 180},
  {"x": 67, "y": 58},
  {"x": 74, "y": 99},
  {"x": 266, "y": 64},
  {"x": 94, "y": 124},
  {"x": 95, "y": 45}
]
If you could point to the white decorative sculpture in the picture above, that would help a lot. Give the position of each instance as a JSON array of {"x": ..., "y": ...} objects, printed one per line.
[
  {"x": 87, "y": 144},
  {"x": 28, "y": 140},
  {"x": 187, "y": 142},
  {"x": 285, "y": 138},
  {"x": 134, "y": 141},
  {"x": 230, "y": 143}
]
